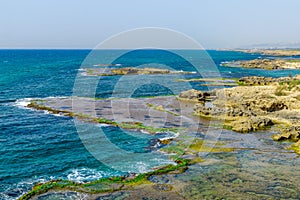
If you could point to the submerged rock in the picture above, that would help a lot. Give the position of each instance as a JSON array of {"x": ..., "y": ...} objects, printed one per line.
[{"x": 14, "y": 192}]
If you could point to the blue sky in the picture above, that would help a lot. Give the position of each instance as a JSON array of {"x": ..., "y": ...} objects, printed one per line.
[{"x": 85, "y": 23}]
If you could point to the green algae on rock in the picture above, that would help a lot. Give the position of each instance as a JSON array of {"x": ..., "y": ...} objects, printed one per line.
[{"x": 105, "y": 184}]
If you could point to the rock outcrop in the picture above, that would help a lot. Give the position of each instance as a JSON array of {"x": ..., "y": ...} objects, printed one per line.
[
  {"x": 194, "y": 95},
  {"x": 258, "y": 106},
  {"x": 263, "y": 63},
  {"x": 128, "y": 71},
  {"x": 270, "y": 64},
  {"x": 132, "y": 70},
  {"x": 273, "y": 52},
  {"x": 260, "y": 80},
  {"x": 245, "y": 125},
  {"x": 291, "y": 133}
]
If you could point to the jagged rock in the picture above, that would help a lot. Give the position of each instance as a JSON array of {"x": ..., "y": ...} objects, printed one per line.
[
  {"x": 194, "y": 95},
  {"x": 203, "y": 110},
  {"x": 296, "y": 147},
  {"x": 250, "y": 108},
  {"x": 272, "y": 106},
  {"x": 292, "y": 133},
  {"x": 246, "y": 125},
  {"x": 238, "y": 112}
]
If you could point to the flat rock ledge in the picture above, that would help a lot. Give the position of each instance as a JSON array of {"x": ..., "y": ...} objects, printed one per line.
[{"x": 129, "y": 71}]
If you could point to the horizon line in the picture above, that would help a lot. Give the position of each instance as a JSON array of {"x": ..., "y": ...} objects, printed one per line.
[{"x": 149, "y": 48}]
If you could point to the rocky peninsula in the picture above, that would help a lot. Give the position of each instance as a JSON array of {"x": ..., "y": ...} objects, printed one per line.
[
  {"x": 269, "y": 64},
  {"x": 261, "y": 103}
]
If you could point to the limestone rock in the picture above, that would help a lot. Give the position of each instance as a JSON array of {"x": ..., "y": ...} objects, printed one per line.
[
  {"x": 296, "y": 147},
  {"x": 194, "y": 95},
  {"x": 246, "y": 125},
  {"x": 131, "y": 70},
  {"x": 292, "y": 133},
  {"x": 256, "y": 80},
  {"x": 269, "y": 64}
]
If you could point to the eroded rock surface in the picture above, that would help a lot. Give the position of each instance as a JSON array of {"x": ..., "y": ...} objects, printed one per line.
[
  {"x": 194, "y": 95},
  {"x": 245, "y": 109},
  {"x": 260, "y": 80}
]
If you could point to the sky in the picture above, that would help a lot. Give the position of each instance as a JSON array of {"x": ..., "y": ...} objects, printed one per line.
[{"x": 86, "y": 23}]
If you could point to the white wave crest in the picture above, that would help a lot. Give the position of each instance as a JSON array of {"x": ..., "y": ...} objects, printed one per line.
[
  {"x": 86, "y": 174},
  {"x": 23, "y": 103}
]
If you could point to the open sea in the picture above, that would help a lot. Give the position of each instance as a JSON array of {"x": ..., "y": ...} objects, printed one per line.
[{"x": 37, "y": 147}]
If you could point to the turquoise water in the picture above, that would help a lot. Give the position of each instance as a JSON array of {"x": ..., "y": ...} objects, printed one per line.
[{"x": 35, "y": 146}]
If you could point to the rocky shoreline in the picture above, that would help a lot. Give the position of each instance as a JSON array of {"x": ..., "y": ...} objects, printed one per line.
[
  {"x": 273, "y": 52},
  {"x": 269, "y": 64},
  {"x": 161, "y": 108},
  {"x": 269, "y": 105},
  {"x": 253, "y": 106},
  {"x": 261, "y": 103}
]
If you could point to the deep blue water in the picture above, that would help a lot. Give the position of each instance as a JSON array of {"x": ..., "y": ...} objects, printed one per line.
[{"x": 35, "y": 146}]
